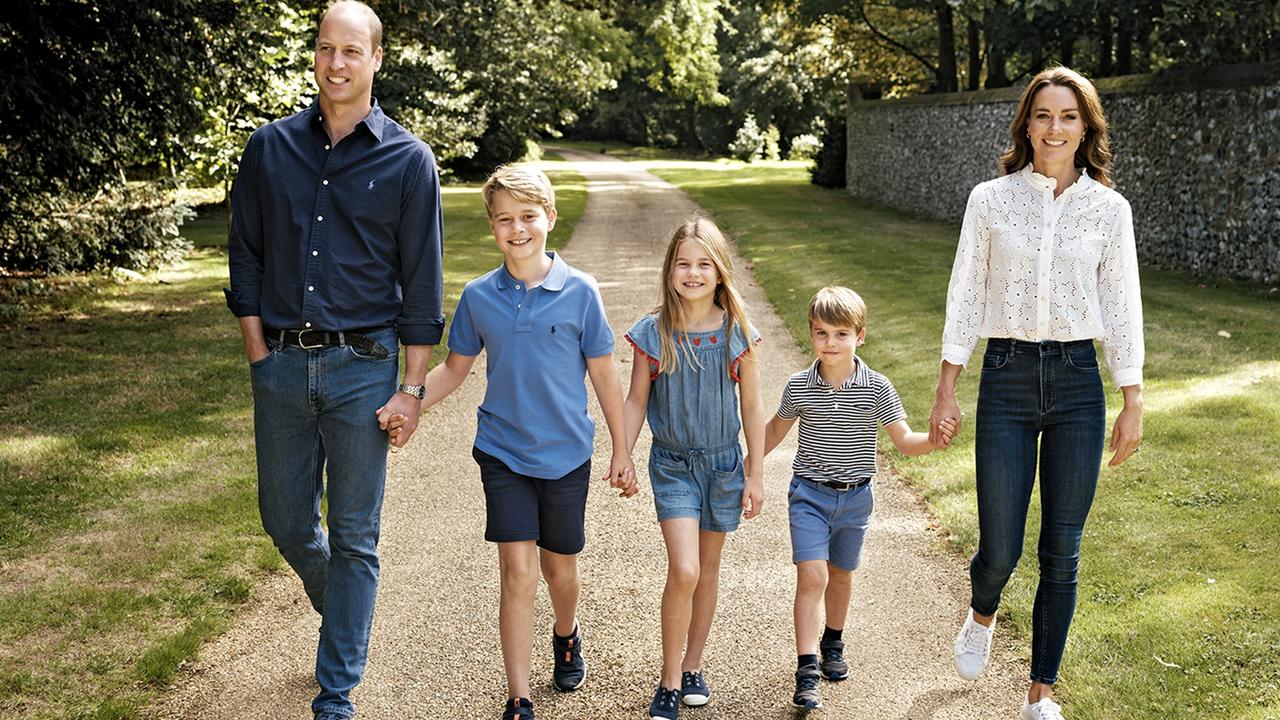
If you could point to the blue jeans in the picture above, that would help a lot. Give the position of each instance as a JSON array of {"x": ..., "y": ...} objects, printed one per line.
[
  {"x": 1046, "y": 394},
  {"x": 314, "y": 417}
]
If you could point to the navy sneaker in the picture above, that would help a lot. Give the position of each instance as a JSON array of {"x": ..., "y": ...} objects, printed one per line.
[
  {"x": 693, "y": 689},
  {"x": 665, "y": 705},
  {"x": 332, "y": 716},
  {"x": 518, "y": 709},
  {"x": 570, "y": 670},
  {"x": 833, "y": 665},
  {"x": 807, "y": 679}
]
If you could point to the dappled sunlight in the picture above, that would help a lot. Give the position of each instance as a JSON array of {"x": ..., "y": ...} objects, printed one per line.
[
  {"x": 1246, "y": 380},
  {"x": 28, "y": 450},
  {"x": 460, "y": 190}
]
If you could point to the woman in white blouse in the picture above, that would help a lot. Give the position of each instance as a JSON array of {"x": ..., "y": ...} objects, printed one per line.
[{"x": 1046, "y": 264}]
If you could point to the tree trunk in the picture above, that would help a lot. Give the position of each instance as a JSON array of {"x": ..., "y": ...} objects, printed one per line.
[
  {"x": 997, "y": 76},
  {"x": 1066, "y": 55},
  {"x": 1105, "y": 64},
  {"x": 946, "y": 48},
  {"x": 975, "y": 54},
  {"x": 1124, "y": 43}
]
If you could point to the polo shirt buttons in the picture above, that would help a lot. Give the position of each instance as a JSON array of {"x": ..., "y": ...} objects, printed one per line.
[
  {"x": 311, "y": 288},
  {"x": 314, "y": 253},
  {"x": 307, "y": 324},
  {"x": 324, "y": 182},
  {"x": 319, "y": 218}
]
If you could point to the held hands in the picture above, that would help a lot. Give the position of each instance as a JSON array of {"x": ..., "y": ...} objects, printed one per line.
[
  {"x": 945, "y": 422},
  {"x": 399, "y": 417},
  {"x": 622, "y": 475},
  {"x": 947, "y": 430}
]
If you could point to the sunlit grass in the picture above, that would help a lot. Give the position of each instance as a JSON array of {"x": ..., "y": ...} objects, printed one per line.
[
  {"x": 1182, "y": 550},
  {"x": 129, "y": 530}
]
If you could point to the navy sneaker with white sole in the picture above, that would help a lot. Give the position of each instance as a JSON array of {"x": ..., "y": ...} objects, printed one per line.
[
  {"x": 693, "y": 689},
  {"x": 570, "y": 670}
]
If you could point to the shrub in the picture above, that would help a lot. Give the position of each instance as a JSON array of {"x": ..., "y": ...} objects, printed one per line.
[
  {"x": 133, "y": 226},
  {"x": 748, "y": 144},
  {"x": 804, "y": 147},
  {"x": 829, "y": 166},
  {"x": 771, "y": 137}
]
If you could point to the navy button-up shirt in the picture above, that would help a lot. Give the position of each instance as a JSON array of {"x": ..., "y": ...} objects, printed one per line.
[{"x": 338, "y": 238}]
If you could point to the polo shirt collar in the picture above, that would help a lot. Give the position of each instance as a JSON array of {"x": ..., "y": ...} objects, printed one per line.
[
  {"x": 861, "y": 376},
  {"x": 554, "y": 281},
  {"x": 375, "y": 121}
]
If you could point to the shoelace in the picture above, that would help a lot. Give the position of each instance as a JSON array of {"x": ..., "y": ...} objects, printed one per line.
[
  {"x": 1047, "y": 710},
  {"x": 832, "y": 653},
  {"x": 975, "y": 639}
]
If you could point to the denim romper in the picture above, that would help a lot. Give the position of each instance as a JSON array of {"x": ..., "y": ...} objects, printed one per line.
[{"x": 695, "y": 465}]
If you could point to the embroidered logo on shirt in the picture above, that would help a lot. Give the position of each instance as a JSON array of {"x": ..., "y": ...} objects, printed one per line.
[{"x": 371, "y": 182}]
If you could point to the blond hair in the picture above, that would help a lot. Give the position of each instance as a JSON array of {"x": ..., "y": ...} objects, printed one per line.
[
  {"x": 526, "y": 183},
  {"x": 1094, "y": 153},
  {"x": 671, "y": 318},
  {"x": 838, "y": 306}
]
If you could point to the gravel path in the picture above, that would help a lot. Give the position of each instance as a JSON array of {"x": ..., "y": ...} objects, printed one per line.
[{"x": 435, "y": 647}]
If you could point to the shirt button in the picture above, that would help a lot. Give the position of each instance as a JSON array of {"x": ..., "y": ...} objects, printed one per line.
[
  {"x": 315, "y": 252},
  {"x": 319, "y": 218},
  {"x": 324, "y": 182},
  {"x": 307, "y": 324},
  {"x": 326, "y": 147},
  {"x": 311, "y": 288},
  {"x": 517, "y": 287}
]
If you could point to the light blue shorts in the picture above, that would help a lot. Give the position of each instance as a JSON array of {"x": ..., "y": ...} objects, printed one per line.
[
  {"x": 828, "y": 524},
  {"x": 706, "y": 484}
]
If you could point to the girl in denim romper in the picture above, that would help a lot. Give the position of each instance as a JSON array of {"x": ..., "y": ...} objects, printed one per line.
[{"x": 690, "y": 356}]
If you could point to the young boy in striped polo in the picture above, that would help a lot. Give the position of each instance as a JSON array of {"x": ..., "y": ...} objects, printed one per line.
[{"x": 840, "y": 403}]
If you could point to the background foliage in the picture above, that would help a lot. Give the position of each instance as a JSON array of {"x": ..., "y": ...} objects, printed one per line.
[{"x": 106, "y": 107}]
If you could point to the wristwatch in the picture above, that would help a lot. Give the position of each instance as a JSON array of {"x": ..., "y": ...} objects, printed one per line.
[{"x": 418, "y": 391}]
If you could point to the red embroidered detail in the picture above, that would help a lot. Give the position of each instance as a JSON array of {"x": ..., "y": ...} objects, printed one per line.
[
  {"x": 714, "y": 340},
  {"x": 653, "y": 363},
  {"x": 697, "y": 341}
]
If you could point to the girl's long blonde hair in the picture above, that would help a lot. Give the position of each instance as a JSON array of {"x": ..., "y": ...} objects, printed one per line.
[{"x": 671, "y": 318}]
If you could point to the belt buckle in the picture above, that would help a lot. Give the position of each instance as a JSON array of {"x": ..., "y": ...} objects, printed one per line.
[
  {"x": 846, "y": 487},
  {"x": 302, "y": 344}
]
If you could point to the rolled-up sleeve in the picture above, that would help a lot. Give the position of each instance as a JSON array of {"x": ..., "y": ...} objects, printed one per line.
[
  {"x": 245, "y": 250},
  {"x": 1120, "y": 300},
  {"x": 421, "y": 247},
  {"x": 967, "y": 292}
]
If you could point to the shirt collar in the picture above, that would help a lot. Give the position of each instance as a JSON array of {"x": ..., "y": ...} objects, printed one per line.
[
  {"x": 861, "y": 376},
  {"x": 1042, "y": 182},
  {"x": 554, "y": 281},
  {"x": 375, "y": 121}
]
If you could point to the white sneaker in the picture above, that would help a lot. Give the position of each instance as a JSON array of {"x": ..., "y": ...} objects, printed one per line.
[
  {"x": 972, "y": 648},
  {"x": 1046, "y": 709}
]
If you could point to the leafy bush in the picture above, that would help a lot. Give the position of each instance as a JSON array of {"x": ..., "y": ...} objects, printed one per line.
[
  {"x": 133, "y": 226},
  {"x": 804, "y": 147},
  {"x": 771, "y": 138},
  {"x": 748, "y": 144},
  {"x": 829, "y": 166}
]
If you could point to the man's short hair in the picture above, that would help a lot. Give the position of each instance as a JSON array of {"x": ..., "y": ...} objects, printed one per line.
[
  {"x": 838, "y": 306},
  {"x": 526, "y": 183},
  {"x": 375, "y": 24}
]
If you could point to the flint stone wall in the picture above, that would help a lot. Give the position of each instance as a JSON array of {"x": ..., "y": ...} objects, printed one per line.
[{"x": 1196, "y": 153}]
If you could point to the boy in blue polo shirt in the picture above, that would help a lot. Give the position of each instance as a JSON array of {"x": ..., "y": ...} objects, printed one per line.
[
  {"x": 840, "y": 403},
  {"x": 544, "y": 327}
]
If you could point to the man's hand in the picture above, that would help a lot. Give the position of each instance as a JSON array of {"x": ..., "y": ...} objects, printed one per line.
[{"x": 404, "y": 409}]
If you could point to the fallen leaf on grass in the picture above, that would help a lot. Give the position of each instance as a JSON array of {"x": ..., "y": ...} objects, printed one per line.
[{"x": 1166, "y": 664}]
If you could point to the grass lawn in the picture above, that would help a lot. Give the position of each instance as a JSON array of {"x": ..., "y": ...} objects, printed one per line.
[
  {"x": 129, "y": 527},
  {"x": 1179, "y": 608}
]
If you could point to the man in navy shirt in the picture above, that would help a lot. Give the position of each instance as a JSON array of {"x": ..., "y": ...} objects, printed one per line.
[{"x": 335, "y": 259}]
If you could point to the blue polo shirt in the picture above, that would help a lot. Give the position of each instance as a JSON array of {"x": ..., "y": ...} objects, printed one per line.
[{"x": 534, "y": 415}]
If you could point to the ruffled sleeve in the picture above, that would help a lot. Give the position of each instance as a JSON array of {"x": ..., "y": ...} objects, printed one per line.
[
  {"x": 643, "y": 336},
  {"x": 738, "y": 347}
]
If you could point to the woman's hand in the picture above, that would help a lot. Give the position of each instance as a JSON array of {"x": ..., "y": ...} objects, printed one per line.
[
  {"x": 1126, "y": 434},
  {"x": 945, "y": 407}
]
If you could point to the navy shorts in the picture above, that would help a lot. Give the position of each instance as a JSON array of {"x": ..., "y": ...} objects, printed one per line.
[{"x": 519, "y": 507}]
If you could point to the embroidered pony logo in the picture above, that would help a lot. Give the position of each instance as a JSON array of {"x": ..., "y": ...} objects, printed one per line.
[{"x": 371, "y": 182}]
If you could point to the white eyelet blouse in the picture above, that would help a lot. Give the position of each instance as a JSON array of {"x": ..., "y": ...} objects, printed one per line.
[{"x": 1032, "y": 267}]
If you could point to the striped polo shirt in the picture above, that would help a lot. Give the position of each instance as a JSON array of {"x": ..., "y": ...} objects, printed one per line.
[{"x": 838, "y": 425}]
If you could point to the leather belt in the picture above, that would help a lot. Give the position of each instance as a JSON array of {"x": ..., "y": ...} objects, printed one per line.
[{"x": 314, "y": 339}]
